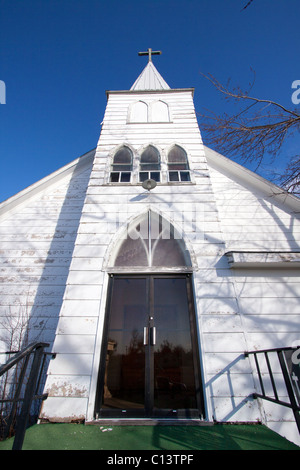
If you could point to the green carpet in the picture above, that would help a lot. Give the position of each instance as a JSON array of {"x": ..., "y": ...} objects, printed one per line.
[{"x": 185, "y": 438}]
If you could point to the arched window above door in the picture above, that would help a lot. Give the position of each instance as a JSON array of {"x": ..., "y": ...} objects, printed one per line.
[{"x": 152, "y": 242}]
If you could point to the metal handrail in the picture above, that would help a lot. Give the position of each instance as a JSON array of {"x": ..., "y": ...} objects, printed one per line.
[
  {"x": 293, "y": 403},
  {"x": 19, "y": 355},
  {"x": 37, "y": 349}
]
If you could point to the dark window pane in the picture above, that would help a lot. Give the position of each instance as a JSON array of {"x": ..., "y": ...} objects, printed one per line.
[
  {"x": 125, "y": 360},
  {"x": 129, "y": 304},
  {"x": 143, "y": 176},
  {"x": 185, "y": 176},
  {"x": 169, "y": 253},
  {"x": 173, "y": 176},
  {"x": 174, "y": 377},
  {"x": 132, "y": 253},
  {"x": 150, "y": 155},
  {"x": 125, "y": 177},
  {"x": 150, "y": 166},
  {"x": 114, "y": 177},
  {"x": 177, "y": 154},
  {"x": 123, "y": 155},
  {"x": 121, "y": 167},
  {"x": 155, "y": 175},
  {"x": 178, "y": 166}
]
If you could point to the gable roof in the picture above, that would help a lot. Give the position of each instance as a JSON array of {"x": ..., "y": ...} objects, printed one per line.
[
  {"x": 150, "y": 79},
  {"x": 80, "y": 164},
  {"x": 221, "y": 163}
]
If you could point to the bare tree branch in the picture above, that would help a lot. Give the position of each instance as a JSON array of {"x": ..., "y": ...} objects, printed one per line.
[
  {"x": 258, "y": 128},
  {"x": 247, "y": 5},
  {"x": 291, "y": 178}
]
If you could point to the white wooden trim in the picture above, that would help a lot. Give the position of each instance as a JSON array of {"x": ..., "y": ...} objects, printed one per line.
[
  {"x": 281, "y": 259},
  {"x": 79, "y": 164}
]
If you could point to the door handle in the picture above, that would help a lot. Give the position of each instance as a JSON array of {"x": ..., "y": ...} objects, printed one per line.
[
  {"x": 153, "y": 336},
  {"x": 146, "y": 331}
]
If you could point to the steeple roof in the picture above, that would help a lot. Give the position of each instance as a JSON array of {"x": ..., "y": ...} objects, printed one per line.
[{"x": 150, "y": 79}]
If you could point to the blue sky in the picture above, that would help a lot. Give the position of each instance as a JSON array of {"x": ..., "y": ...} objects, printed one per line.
[{"x": 57, "y": 58}]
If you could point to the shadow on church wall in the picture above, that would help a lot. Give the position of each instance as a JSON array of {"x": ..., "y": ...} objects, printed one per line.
[
  {"x": 33, "y": 274},
  {"x": 49, "y": 296},
  {"x": 34, "y": 269}
]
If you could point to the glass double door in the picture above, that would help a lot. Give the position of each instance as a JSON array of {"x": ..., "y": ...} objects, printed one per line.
[{"x": 150, "y": 360}]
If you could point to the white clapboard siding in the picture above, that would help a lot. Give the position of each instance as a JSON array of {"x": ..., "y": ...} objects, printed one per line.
[
  {"x": 253, "y": 218},
  {"x": 108, "y": 208},
  {"x": 56, "y": 249},
  {"x": 36, "y": 246}
]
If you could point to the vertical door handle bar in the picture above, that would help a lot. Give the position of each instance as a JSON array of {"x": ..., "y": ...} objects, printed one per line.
[
  {"x": 146, "y": 335},
  {"x": 153, "y": 336}
]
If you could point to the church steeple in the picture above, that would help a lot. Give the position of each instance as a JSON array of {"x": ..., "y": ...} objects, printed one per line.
[{"x": 150, "y": 78}]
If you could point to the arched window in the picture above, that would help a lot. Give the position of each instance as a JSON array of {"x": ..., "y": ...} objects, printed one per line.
[
  {"x": 178, "y": 165},
  {"x": 160, "y": 111},
  {"x": 150, "y": 164},
  {"x": 139, "y": 112},
  {"x": 151, "y": 241},
  {"x": 122, "y": 166}
]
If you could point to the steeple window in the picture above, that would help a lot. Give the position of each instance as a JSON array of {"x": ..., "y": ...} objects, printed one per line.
[
  {"x": 156, "y": 111},
  {"x": 178, "y": 167},
  {"x": 150, "y": 164},
  {"x": 122, "y": 166},
  {"x": 160, "y": 111},
  {"x": 139, "y": 112}
]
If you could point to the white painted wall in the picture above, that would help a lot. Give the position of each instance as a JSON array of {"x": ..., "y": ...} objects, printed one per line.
[
  {"x": 79, "y": 219},
  {"x": 37, "y": 234},
  {"x": 268, "y": 299},
  {"x": 192, "y": 208}
]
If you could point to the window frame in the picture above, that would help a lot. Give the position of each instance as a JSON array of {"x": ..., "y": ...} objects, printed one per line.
[
  {"x": 148, "y": 232},
  {"x": 150, "y": 109},
  {"x": 135, "y": 172},
  {"x": 131, "y": 113},
  {"x": 153, "y": 111},
  {"x": 179, "y": 172},
  {"x": 122, "y": 173},
  {"x": 145, "y": 167}
]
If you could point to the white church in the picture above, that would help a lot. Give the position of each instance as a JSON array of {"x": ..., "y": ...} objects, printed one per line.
[{"x": 151, "y": 265}]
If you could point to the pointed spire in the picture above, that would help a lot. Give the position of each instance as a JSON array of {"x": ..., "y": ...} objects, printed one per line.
[{"x": 150, "y": 78}]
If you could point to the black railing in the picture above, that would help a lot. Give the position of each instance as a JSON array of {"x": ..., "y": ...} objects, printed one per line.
[
  {"x": 21, "y": 385},
  {"x": 289, "y": 368}
]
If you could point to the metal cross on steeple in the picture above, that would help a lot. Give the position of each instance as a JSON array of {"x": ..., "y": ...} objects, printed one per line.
[{"x": 150, "y": 53}]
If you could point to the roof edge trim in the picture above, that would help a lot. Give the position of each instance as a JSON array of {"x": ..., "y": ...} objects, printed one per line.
[
  {"x": 264, "y": 259},
  {"x": 78, "y": 164},
  {"x": 138, "y": 92},
  {"x": 267, "y": 187}
]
